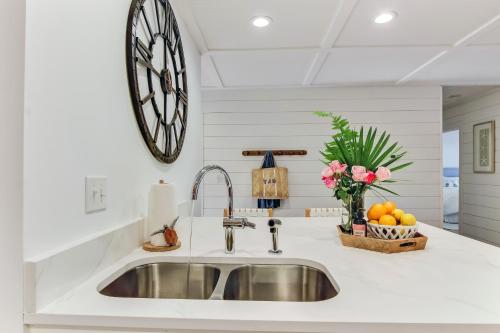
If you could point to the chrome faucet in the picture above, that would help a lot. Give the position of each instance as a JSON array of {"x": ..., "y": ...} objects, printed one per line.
[{"x": 229, "y": 223}]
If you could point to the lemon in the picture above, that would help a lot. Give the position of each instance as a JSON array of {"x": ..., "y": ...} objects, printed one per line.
[
  {"x": 397, "y": 213},
  {"x": 408, "y": 219},
  {"x": 387, "y": 220},
  {"x": 373, "y": 221}
]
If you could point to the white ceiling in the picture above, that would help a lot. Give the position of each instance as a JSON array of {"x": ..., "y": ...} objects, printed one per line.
[
  {"x": 335, "y": 42},
  {"x": 225, "y": 23},
  {"x": 454, "y": 95}
]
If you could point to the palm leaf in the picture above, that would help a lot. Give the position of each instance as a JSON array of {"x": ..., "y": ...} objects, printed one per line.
[
  {"x": 380, "y": 195},
  {"x": 359, "y": 147},
  {"x": 383, "y": 155},
  {"x": 370, "y": 137},
  {"x": 343, "y": 151},
  {"x": 384, "y": 189},
  {"x": 401, "y": 166},
  {"x": 323, "y": 114},
  {"x": 394, "y": 159},
  {"x": 381, "y": 143}
]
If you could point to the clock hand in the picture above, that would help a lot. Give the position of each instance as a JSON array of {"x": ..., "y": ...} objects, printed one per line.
[
  {"x": 165, "y": 99},
  {"x": 165, "y": 58}
]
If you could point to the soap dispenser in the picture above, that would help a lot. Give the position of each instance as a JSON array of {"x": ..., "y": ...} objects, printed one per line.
[{"x": 359, "y": 225}]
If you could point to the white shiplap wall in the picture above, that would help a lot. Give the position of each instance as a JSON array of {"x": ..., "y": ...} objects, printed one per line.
[
  {"x": 235, "y": 120},
  {"x": 479, "y": 193}
]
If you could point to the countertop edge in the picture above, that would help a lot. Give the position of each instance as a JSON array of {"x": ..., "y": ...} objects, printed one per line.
[{"x": 206, "y": 324}]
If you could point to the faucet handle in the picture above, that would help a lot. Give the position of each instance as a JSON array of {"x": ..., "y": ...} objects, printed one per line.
[
  {"x": 274, "y": 223},
  {"x": 237, "y": 222},
  {"x": 249, "y": 224}
]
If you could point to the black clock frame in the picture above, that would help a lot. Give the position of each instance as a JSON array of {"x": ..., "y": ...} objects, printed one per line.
[{"x": 139, "y": 53}]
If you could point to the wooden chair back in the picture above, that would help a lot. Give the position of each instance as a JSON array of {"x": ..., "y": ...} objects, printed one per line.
[
  {"x": 250, "y": 212},
  {"x": 317, "y": 212}
]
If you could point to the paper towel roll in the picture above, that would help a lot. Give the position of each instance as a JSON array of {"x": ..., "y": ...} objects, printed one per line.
[{"x": 162, "y": 206}]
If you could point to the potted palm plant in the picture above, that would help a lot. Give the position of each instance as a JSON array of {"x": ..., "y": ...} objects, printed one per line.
[{"x": 358, "y": 161}]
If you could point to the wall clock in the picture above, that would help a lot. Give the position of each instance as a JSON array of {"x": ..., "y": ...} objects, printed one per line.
[{"x": 157, "y": 77}]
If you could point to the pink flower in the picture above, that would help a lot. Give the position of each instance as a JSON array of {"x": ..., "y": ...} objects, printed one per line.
[
  {"x": 369, "y": 177},
  {"x": 330, "y": 182},
  {"x": 358, "y": 173},
  {"x": 337, "y": 167},
  {"x": 327, "y": 172},
  {"x": 383, "y": 173}
]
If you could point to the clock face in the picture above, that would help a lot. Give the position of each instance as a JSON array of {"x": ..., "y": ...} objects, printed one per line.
[{"x": 157, "y": 77}]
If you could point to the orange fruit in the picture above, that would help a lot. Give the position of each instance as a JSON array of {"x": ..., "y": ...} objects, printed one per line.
[
  {"x": 373, "y": 221},
  {"x": 387, "y": 220},
  {"x": 376, "y": 211},
  {"x": 397, "y": 213},
  {"x": 390, "y": 206}
]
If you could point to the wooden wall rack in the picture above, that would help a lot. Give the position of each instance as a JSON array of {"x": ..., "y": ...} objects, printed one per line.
[{"x": 279, "y": 152}]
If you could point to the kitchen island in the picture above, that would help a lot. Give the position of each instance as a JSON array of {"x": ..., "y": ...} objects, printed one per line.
[{"x": 451, "y": 286}]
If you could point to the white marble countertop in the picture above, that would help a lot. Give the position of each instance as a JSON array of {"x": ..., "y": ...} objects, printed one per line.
[{"x": 451, "y": 286}]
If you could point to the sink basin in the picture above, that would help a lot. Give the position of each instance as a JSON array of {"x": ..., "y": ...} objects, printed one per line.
[
  {"x": 287, "y": 283},
  {"x": 165, "y": 280},
  {"x": 223, "y": 281}
]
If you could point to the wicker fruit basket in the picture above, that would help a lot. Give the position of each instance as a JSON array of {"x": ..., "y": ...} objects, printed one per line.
[
  {"x": 417, "y": 242},
  {"x": 391, "y": 232}
]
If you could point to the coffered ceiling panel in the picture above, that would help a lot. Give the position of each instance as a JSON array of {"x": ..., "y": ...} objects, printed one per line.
[
  {"x": 474, "y": 64},
  {"x": 336, "y": 42},
  {"x": 384, "y": 65},
  {"x": 453, "y": 95},
  {"x": 418, "y": 22},
  {"x": 262, "y": 68},
  {"x": 491, "y": 36},
  {"x": 225, "y": 24}
]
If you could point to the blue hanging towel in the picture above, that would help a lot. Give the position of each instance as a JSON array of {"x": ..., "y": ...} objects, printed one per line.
[{"x": 268, "y": 162}]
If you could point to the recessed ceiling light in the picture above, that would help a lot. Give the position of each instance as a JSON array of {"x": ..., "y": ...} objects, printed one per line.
[
  {"x": 385, "y": 17},
  {"x": 261, "y": 21}
]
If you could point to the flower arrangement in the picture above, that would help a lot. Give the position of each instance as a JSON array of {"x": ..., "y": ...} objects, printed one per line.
[{"x": 357, "y": 162}]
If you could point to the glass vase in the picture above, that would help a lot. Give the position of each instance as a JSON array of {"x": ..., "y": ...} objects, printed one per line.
[{"x": 352, "y": 205}]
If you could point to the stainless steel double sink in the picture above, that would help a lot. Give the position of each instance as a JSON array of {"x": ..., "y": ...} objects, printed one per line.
[{"x": 223, "y": 281}]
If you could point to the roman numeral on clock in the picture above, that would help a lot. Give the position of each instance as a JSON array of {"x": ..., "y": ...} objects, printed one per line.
[
  {"x": 183, "y": 98},
  {"x": 143, "y": 49},
  {"x": 148, "y": 25}
]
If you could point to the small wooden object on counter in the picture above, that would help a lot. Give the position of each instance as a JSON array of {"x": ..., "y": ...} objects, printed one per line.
[
  {"x": 382, "y": 245},
  {"x": 151, "y": 248}
]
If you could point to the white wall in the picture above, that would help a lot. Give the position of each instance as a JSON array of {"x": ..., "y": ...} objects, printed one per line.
[
  {"x": 235, "y": 120},
  {"x": 451, "y": 149},
  {"x": 479, "y": 193},
  {"x": 12, "y": 18},
  {"x": 79, "y": 121}
]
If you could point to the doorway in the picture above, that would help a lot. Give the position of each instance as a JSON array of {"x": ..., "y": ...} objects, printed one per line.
[{"x": 451, "y": 174}]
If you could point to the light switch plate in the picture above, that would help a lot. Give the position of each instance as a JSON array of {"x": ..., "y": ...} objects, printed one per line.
[{"x": 95, "y": 194}]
